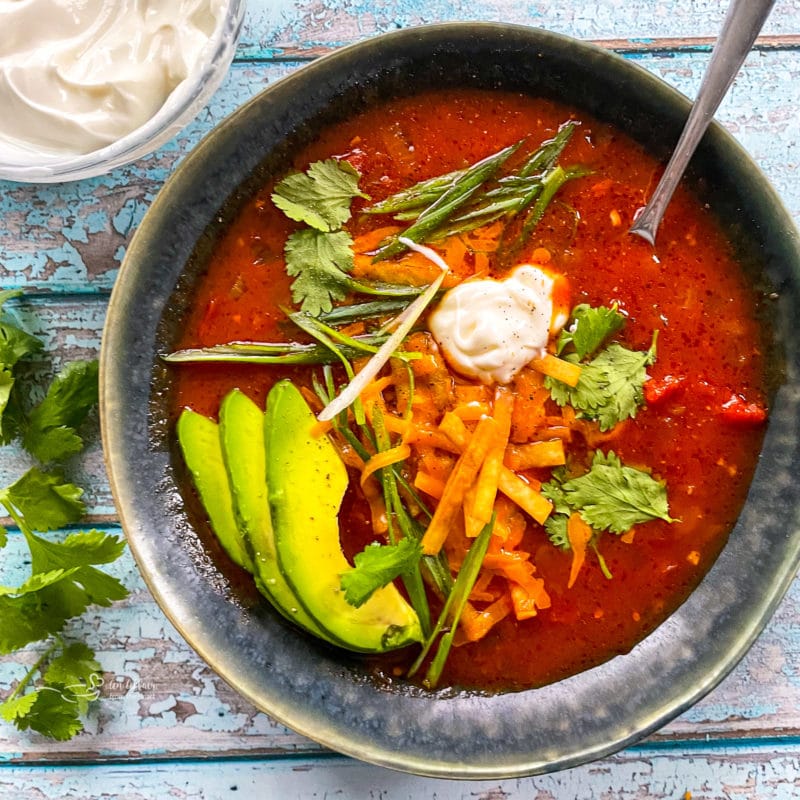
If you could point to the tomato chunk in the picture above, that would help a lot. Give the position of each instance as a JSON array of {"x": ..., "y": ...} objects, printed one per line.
[
  {"x": 740, "y": 411},
  {"x": 659, "y": 390}
]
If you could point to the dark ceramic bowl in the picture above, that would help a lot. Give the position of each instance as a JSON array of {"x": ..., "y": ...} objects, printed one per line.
[{"x": 323, "y": 693}]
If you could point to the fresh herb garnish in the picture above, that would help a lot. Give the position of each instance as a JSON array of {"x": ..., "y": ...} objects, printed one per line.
[
  {"x": 320, "y": 196},
  {"x": 51, "y": 433},
  {"x": 70, "y": 681},
  {"x": 610, "y": 389},
  {"x": 15, "y": 345},
  {"x": 609, "y": 497},
  {"x": 589, "y": 327},
  {"x": 64, "y": 579},
  {"x": 44, "y": 500},
  {"x": 376, "y": 566},
  {"x": 611, "y": 385},
  {"x": 320, "y": 257},
  {"x": 319, "y": 262}
]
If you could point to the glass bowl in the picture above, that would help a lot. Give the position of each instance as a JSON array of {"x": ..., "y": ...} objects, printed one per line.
[{"x": 180, "y": 108}]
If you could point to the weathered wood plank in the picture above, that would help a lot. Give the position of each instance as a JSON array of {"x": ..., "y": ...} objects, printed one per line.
[
  {"x": 160, "y": 700},
  {"x": 739, "y": 773},
  {"x": 72, "y": 237},
  {"x": 292, "y": 28}
]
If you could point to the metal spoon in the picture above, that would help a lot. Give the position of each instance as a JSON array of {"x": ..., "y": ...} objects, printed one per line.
[{"x": 742, "y": 24}]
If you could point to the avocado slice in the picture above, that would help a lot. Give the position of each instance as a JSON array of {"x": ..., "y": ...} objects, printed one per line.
[
  {"x": 199, "y": 440},
  {"x": 241, "y": 431},
  {"x": 306, "y": 481}
]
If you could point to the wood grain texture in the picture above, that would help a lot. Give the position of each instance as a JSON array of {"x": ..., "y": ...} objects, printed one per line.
[
  {"x": 303, "y": 28},
  {"x": 735, "y": 773}
]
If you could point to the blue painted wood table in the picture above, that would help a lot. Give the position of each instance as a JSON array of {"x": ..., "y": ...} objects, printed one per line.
[{"x": 165, "y": 725}]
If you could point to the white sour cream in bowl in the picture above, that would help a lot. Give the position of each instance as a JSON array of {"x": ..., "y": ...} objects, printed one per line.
[{"x": 88, "y": 84}]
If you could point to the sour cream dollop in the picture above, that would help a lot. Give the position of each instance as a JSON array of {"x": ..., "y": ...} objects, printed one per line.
[
  {"x": 77, "y": 75},
  {"x": 489, "y": 329}
]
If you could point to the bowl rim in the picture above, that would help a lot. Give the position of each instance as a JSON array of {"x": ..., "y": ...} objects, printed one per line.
[{"x": 699, "y": 672}]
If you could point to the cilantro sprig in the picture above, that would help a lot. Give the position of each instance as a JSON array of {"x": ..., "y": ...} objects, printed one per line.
[
  {"x": 319, "y": 262},
  {"x": 611, "y": 385},
  {"x": 51, "y": 432},
  {"x": 64, "y": 577},
  {"x": 320, "y": 256},
  {"x": 378, "y": 565},
  {"x": 610, "y": 496},
  {"x": 70, "y": 681},
  {"x": 15, "y": 345}
]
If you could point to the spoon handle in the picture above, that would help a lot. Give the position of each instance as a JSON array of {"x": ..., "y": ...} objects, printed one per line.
[{"x": 742, "y": 24}]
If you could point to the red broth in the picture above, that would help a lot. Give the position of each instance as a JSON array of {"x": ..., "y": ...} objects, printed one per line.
[{"x": 690, "y": 289}]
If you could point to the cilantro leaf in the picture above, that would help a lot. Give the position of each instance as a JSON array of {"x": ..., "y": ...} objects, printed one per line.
[
  {"x": 554, "y": 493},
  {"x": 44, "y": 500},
  {"x": 36, "y": 582},
  {"x": 14, "y": 342},
  {"x": 12, "y": 415},
  {"x": 26, "y": 619},
  {"x": 38, "y": 614},
  {"x": 556, "y": 528},
  {"x": 376, "y": 566},
  {"x": 321, "y": 196},
  {"x": 6, "y": 385},
  {"x": 614, "y": 497},
  {"x": 77, "y": 550},
  {"x": 51, "y": 712},
  {"x": 64, "y": 579},
  {"x": 50, "y": 433},
  {"x": 610, "y": 388},
  {"x": 589, "y": 328},
  {"x": 76, "y": 666},
  {"x": 64, "y": 582},
  {"x": 77, "y": 671},
  {"x": 320, "y": 262},
  {"x": 556, "y": 524},
  {"x": 18, "y": 707},
  {"x": 67, "y": 686}
]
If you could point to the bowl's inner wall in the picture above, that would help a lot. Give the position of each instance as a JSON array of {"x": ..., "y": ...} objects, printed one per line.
[{"x": 312, "y": 687}]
